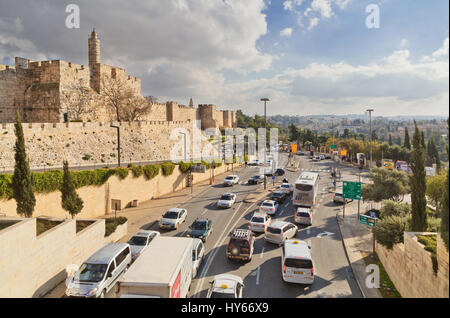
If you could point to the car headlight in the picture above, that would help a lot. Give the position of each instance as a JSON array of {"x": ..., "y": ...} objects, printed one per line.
[
  {"x": 188, "y": 235},
  {"x": 201, "y": 236},
  {"x": 93, "y": 291}
]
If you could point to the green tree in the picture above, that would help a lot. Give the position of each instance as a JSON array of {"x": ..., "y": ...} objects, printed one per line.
[
  {"x": 22, "y": 183},
  {"x": 418, "y": 184},
  {"x": 435, "y": 185},
  {"x": 423, "y": 139},
  {"x": 393, "y": 208},
  {"x": 407, "y": 143},
  {"x": 70, "y": 200},
  {"x": 390, "y": 230},
  {"x": 390, "y": 140},
  {"x": 443, "y": 208},
  {"x": 387, "y": 185}
]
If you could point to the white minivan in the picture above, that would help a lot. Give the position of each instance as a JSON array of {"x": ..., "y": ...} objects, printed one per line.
[
  {"x": 198, "y": 252},
  {"x": 296, "y": 262},
  {"x": 100, "y": 272}
]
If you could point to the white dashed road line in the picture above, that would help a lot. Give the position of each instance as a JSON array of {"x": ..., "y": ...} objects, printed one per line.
[
  {"x": 262, "y": 253},
  {"x": 257, "y": 275}
]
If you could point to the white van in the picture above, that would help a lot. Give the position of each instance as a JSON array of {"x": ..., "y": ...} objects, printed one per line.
[
  {"x": 296, "y": 263},
  {"x": 198, "y": 252},
  {"x": 100, "y": 272}
]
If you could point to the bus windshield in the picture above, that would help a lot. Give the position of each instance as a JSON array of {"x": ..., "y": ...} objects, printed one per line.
[{"x": 304, "y": 187}]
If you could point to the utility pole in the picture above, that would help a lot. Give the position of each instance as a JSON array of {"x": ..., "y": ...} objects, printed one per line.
[
  {"x": 370, "y": 118},
  {"x": 265, "y": 100},
  {"x": 118, "y": 142}
]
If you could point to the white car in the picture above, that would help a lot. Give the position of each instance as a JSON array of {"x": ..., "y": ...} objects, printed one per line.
[
  {"x": 226, "y": 200},
  {"x": 316, "y": 158},
  {"x": 226, "y": 286},
  {"x": 259, "y": 222},
  {"x": 269, "y": 206},
  {"x": 231, "y": 180},
  {"x": 303, "y": 216},
  {"x": 322, "y": 157},
  {"x": 280, "y": 231},
  {"x": 287, "y": 188},
  {"x": 173, "y": 218},
  {"x": 198, "y": 252},
  {"x": 253, "y": 163},
  {"x": 140, "y": 241}
]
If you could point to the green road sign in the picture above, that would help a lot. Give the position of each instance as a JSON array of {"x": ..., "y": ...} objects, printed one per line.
[
  {"x": 333, "y": 146},
  {"x": 367, "y": 220},
  {"x": 351, "y": 190}
]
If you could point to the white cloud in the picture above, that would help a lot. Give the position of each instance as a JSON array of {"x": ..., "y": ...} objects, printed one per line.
[
  {"x": 286, "y": 32},
  {"x": 322, "y": 6},
  {"x": 443, "y": 51},
  {"x": 342, "y": 4},
  {"x": 313, "y": 23},
  {"x": 287, "y": 5}
]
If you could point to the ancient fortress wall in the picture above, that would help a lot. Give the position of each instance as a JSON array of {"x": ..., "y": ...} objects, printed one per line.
[{"x": 50, "y": 143}]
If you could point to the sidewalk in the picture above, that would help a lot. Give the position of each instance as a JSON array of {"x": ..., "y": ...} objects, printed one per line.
[{"x": 358, "y": 243}]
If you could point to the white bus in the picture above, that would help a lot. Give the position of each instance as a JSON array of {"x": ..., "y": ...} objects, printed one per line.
[{"x": 306, "y": 189}]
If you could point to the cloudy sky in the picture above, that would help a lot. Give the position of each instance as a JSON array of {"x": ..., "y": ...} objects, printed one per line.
[{"x": 308, "y": 56}]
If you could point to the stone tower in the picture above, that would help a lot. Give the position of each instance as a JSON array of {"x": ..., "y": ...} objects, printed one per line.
[
  {"x": 191, "y": 103},
  {"x": 94, "y": 61}
]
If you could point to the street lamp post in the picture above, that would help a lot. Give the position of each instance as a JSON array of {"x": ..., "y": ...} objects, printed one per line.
[
  {"x": 265, "y": 100},
  {"x": 370, "y": 118},
  {"x": 118, "y": 141}
]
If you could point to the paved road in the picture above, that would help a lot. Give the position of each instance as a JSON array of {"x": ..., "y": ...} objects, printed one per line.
[{"x": 262, "y": 276}]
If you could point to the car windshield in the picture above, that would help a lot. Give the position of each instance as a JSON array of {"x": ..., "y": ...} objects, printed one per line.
[
  {"x": 298, "y": 263},
  {"x": 257, "y": 219},
  {"x": 286, "y": 186},
  {"x": 273, "y": 230},
  {"x": 277, "y": 194},
  {"x": 222, "y": 295},
  {"x": 303, "y": 214},
  {"x": 199, "y": 225},
  {"x": 171, "y": 215},
  {"x": 303, "y": 187},
  {"x": 339, "y": 194},
  {"x": 138, "y": 240},
  {"x": 268, "y": 204},
  {"x": 226, "y": 197},
  {"x": 229, "y": 178},
  {"x": 92, "y": 273},
  {"x": 255, "y": 177}
]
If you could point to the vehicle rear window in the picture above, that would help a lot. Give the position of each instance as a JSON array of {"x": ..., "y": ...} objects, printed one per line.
[
  {"x": 303, "y": 187},
  {"x": 303, "y": 214},
  {"x": 298, "y": 263},
  {"x": 239, "y": 243},
  {"x": 285, "y": 186},
  {"x": 226, "y": 197},
  {"x": 257, "y": 219},
  {"x": 273, "y": 230},
  {"x": 267, "y": 204}
]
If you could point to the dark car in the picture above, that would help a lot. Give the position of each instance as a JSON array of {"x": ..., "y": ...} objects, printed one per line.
[
  {"x": 278, "y": 196},
  {"x": 327, "y": 156},
  {"x": 256, "y": 180},
  {"x": 241, "y": 245},
  {"x": 201, "y": 229},
  {"x": 279, "y": 172}
]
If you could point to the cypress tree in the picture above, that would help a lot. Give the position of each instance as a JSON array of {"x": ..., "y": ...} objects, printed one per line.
[
  {"x": 70, "y": 200},
  {"x": 444, "y": 207},
  {"x": 22, "y": 183},
  {"x": 423, "y": 140},
  {"x": 390, "y": 140},
  {"x": 418, "y": 184},
  {"x": 407, "y": 143}
]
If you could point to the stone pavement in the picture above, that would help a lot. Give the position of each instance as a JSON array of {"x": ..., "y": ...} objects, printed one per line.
[{"x": 358, "y": 243}]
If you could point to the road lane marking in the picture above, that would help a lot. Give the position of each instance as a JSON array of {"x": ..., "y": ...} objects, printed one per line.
[
  {"x": 262, "y": 253},
  {"x": 257, "y": 275},
  {"x": 204, "y": 211},
  {"x": 308, "y": 231}
]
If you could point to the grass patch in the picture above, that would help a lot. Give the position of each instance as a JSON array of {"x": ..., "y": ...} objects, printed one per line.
[
  {"x": 43, "y": 225},
  {"x": 112, "y": 223},
  {"x": 430, "y": 242},
  {"x": 5, "y": 224},
  {"x": 81, "y": 225},
  {"x": 387, "y": 288}
]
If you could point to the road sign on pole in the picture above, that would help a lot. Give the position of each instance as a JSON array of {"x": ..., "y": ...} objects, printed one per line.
[
  {"x": 367, "y": 220},
  {"x": 333, "y": 146},
  {"x": 351, "y": 190}
]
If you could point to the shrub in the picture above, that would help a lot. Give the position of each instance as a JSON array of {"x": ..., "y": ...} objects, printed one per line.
[
  {"x": 122, "y": 173},
  {"x": 87, "y": 157},
  {"x": 151, "y": 171},
  {"x": 167, "y": 168},
  {"x": 185, "y": 166},
  {"x": 433, "y": 224},
  {"x": 430, "y": 245},
  {"x": 112, "y": 223},
  {"x": 392, "y": 208},
  {"x": 389, "y": 231},
  {"x": 6, "y": 191},
  {"x": 136, "y": 170}
]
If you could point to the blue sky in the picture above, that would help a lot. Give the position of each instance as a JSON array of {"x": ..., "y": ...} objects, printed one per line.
[{"x": 233, "y": 52}]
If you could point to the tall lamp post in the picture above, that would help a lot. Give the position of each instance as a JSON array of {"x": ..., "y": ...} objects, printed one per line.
[
  {"x": 118, "y": 141},
  {"x": 265, "y": 100},
  {"x": 370, "y": 118}
]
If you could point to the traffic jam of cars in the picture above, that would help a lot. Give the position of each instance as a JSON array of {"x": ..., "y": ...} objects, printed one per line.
[{"x": 130, "y": 268}]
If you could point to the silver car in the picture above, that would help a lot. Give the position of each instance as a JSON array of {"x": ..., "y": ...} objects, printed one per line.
[
  {"x": 227, "y": 200},
  {"x": 100, "y": 272},
  {"x": 140, "y": 241},
  {"x": 231, "y": 180},
  {"x": 303, "y": 216},
  {"x": 280, "y": 231}
]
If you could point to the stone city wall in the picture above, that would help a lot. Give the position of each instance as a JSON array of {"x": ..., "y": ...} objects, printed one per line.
[{"x": 410, "y": 268}]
